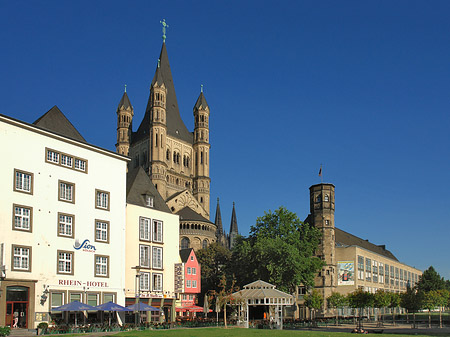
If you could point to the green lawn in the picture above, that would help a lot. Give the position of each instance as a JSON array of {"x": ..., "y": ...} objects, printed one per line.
[{"x": 238, "y": 332}]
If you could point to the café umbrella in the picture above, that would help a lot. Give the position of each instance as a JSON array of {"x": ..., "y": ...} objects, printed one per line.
[
  {"x": 110, "y": 306},
  {"x": 142, "y": 307},
  {"x": 74, "y": 306}
]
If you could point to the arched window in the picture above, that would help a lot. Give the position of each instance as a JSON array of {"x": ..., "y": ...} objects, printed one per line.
[
  {"x": 326, "y": 198},
  {"x": 201, "y": 200},
  {"x": 174, "y": 157},
  {"x": 205, "y": 244},
  {"x": 167, "y": 154},
  {"x": 185, "y": 243},
  {"x": 319, "y": 198},
  {"x": 156, "y": 140}
]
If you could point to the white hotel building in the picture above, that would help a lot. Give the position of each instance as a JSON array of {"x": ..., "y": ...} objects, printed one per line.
[{"x": 62, "y": 219}]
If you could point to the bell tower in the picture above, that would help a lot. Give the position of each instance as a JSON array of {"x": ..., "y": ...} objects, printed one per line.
[
  {"x": 201, "y": 151},
  {"x": 124, "y": 124},
  {"x": 322, "y": 216}
]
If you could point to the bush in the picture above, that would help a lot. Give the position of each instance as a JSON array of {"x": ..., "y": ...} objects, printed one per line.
[
  {"x": 43, "y": 326},
  {"x": 5, "y": 330}
]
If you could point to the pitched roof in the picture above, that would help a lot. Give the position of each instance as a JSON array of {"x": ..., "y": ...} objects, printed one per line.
[
  {"x": 124, "y": 103},
  {"x": 201, "y": 102},
  {"x": 260, "y": 289},
  {"x": 175, "y": 125},
  {"x": 187, "y": 214},
  {"x": 344, "y": 239},
  {"x": 55, "y": 121},
  {"x": 138, "y": 186},
  {"x": 233, "y": 225},
  {"x": 185, "y": 253},
  {"x": 218, "y": 220}
]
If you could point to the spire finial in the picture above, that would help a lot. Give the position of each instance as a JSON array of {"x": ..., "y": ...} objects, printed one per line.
[
  {"x": 125, "y": 88},
  {"x": 201, "y": 87},
  {"x": 159, "y": 63},
  {"x": 165, "y": 25}
]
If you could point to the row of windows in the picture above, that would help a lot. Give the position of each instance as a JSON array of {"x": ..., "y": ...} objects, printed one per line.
[
  {"x": 191, "y": 271},
  {"x": 23, "y": 221},
  {"x": 196, "y": 226},
  {"x": 57, "y": 298},
  {"x": 65, "y": 160},
  {"x": 190, "y": 284},
  {"x": 155, "y": 260},
  {"x": 151, "y": 281},
  {"x": 21, "y": 261},
  {"x": 150, "y": 230},
  {"x": 186, "y": 243},
  {"x": 23, "y": 182},
  {"x": 326, "y": 198}
]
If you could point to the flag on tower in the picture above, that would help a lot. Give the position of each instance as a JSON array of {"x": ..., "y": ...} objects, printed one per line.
[{"x": 320, "y": 171}]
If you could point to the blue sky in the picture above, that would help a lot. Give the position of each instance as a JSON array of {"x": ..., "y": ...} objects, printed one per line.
[{"x": 361, "y": 87}]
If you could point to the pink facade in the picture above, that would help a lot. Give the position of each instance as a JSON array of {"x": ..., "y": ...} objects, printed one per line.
[{"x": 192, "y": 279}]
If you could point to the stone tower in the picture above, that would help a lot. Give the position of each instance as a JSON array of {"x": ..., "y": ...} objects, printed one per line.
[
  {"x": 234, "y": 232},
  {"x": 322, "y": 216},
  {"x": 201, "y": 151},
  {"x": 124, "y": 124},
  {"x": 220, "y": 233}
]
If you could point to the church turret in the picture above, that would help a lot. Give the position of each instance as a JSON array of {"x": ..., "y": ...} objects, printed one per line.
[
  {"x": 234, "y": 232},
  {"x": 155, "y": 162},
  {"x": 201, "y": 151},
  {"x": 124, "y": 124},
  {"x": 220, "y": 235}
]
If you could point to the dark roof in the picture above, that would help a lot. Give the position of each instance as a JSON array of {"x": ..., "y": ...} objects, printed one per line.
[
  {"x": 139, "y": 185},
  {"x": 185, "y": 253},
  {"x": 158, "y": 79},
  {"x": 124, "y": 103},
  {"x": 218, "y": 220},
  {"x": 55, "y": 121},
  {"x": 347, "y": 239},
  {"x": 233, "y": 225},
  {"x": 201, "y": 102},
  {"x": 175, "y": 125},
  {"x": 187, "y": 214}
]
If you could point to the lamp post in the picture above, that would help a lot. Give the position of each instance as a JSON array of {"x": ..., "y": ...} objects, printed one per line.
[{"x": 138, "y": 293}]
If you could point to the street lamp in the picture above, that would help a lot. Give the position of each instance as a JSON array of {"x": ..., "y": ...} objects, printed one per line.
[{"x": 137, "y": 288}]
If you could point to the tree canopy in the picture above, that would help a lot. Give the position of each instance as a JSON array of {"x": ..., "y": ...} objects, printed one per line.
[
  {"x": 431, "y": 280},
  {"x": 280, "y": 250}
]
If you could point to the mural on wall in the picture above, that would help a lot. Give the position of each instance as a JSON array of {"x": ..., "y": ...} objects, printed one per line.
[{"x": 346, "y": 273}]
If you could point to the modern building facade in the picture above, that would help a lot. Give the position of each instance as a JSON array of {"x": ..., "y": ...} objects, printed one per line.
[{"x": 62, "y": 219}]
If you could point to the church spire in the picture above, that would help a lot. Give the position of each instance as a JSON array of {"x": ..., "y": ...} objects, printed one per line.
[
  {"x": 233, "y": 228},
  {"x": 218, "y": 221},
  {"x": 124, "y": 124}
]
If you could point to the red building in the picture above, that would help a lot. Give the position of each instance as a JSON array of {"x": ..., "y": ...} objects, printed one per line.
[{"x": 191, "y": 279}]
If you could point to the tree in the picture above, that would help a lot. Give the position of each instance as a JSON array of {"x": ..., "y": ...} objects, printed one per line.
[
  {"x": 214, "y": 260},
  {"x": 360, "y": 299},
  {"x": 395, "y": 302},
  {"x": 412, "y": 301},
  {"x": 442, "y": 301},
  {"x": 313, "y": 301},
  {"x": 224, "y": 295},
  {"x": 279, "y": 250},
  {"x": 430, "y": 302},
  {"x": 382, "y": 299},
  {"x": 431, "y": 280},
  {"x": 336, "y": 301}
]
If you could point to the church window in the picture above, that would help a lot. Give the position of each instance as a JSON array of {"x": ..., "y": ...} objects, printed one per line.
[
  {"x": 174, "y": 157},
  {"x": 201, "y": 135},
  {"x": 205, "y": 244},
  {"x": 167, "y": 178},
  {"x": 201, "y": 157},
  {"x": 167, "y": 154},
  {"x": 185, "y": 243},
  {"x": 161, "y": 140},
  {"x": 156, "y": 140},
  {"x": 176, "y": 181},
  {"x": 326, "y": 198},
  {"x": 201, "y": 200},
  {"x": 319, "y": 198},
  {"x": 178, "y": 158}
]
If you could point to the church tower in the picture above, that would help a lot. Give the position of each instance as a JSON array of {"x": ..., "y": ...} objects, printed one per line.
[
  {"x": 220, "y": 234},
  {"x": 234, "y": 232},
  {"x": 322, "y": 216},
  {"x": 124, "y": 124},
  {"x": 201, "y": 151}
]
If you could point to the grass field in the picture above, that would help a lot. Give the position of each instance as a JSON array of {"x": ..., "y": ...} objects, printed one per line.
[{"x": 239, "y": 332}]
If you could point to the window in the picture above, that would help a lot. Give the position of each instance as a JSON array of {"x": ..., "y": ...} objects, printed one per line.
[
  {"x": 194, "y": 271},
  {"x": 144, "y": 256},
  {"x": 66, "y": 160},
  {"x": 92, "y": 299},
  {"x": 148, "y": 201},
  {"x": 144, "y": 229},
  {"x": 102, "y": 231},
  {"x": 157, "y": 258},
  {"x": 326, "y": 198},
  {"x": 23, "y": 181},
  {"x": 368, "y": 270},
  {"x": 194, "y": 284},
  {"x": 185, "y": 243},
  {"x": 75, "y": 297},
  {"x": 144, "y": 281},
  {"x": 205, "y": 244},
  {"x": 56, "y": 299},
  {"x": 22, "y": 218},
  {"x": 65, "y": 225},
  {"x": 189, "y": 270},
  {"x": 52, "y": 156},
  {"x": 102, "y": 200},
  {"x": 66, "y": 191},
  {"x": 21, "y": 258},
  {"x": 157, "y": 282},
  {"x": 109, "y": 297},
  {"x": 192, "y": 258},
  {"x": 65, "y": 262},
  {"x": 188, "y": 283},
  {"x": 157, "y": 231},
  {"x": 191, "y": 297},
  {"x": 101, "y": 266},
  {"x": 80, "y": 164}
]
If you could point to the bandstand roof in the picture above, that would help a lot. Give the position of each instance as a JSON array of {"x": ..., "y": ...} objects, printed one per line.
[{"x": 263, "y": 290}]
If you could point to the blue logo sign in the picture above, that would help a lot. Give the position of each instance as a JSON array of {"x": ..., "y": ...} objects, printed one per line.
[{"x": 85, "y": 246}]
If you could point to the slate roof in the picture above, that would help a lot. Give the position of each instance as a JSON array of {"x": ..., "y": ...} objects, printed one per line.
[
  {"x": 201, "y": 102},
  {"x": 344, "y": 239},
  {"x": 187, "y": 214},
  {"x": 185, "y": 253},
  {"x": 55, "y": 121},
  {"x": 139, "y": 185},
  {"x": 124, "y": 103},
  {"x": 175, "y": 125},
  {"x": 233, "y": 224},
  {"x": 218, "y": 220}
]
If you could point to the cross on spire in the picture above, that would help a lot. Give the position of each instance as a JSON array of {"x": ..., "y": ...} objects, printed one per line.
[
  {"x": 201, "y": 87},
  {"x": 125, "y": 88},
  {"x": 164, "y": 26}
]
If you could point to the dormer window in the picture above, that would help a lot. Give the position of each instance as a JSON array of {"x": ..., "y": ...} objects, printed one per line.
[{"x": 148, "y": 201}]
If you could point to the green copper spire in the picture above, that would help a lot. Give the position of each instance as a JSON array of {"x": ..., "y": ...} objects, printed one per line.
[
  {"x": 165, "y": 25},
  {"x": 201, "y": 87},
  {"x": 125, "y": 88}
]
